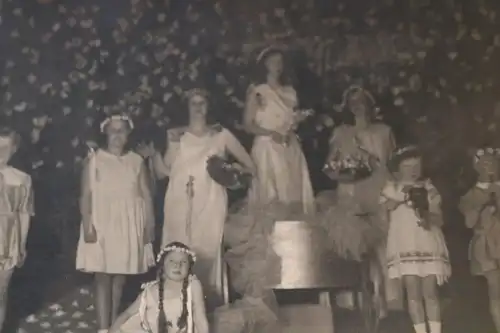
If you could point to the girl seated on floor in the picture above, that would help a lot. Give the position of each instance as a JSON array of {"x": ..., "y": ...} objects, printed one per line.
[
  {"x": 174, "y": 303},
  {"x": 16, "y": 209}
]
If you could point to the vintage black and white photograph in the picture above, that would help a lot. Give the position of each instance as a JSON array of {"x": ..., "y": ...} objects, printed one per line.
[{"x": 249, "y": 166}]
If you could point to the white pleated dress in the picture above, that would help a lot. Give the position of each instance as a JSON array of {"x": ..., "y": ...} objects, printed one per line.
[{"x": 119, "y": 217}]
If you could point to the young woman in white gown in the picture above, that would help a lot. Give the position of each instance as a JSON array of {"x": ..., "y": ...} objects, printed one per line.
[
  {"x": 376, "y": 139},
  {"x": 195, "y": 205},
  {"x": 271, "y": 116}
]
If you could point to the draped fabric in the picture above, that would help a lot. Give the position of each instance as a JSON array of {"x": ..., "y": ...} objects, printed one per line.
[
  {"x": 16, "y": 209},
  {"x": 196, "y": 206},
  {"x": 282, "y": 168}
]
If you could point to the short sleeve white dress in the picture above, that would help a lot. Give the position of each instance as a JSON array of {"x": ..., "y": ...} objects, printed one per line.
[
  {"x": 119, "y": 217},
  {"x": 411, "y": 249}
]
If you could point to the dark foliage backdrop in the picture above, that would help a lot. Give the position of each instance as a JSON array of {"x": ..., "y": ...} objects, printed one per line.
[{"x": 63, "y": 64}]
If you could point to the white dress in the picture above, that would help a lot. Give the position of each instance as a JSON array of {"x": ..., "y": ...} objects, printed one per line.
[
  {"x": 282, "y": 169},
  {"x": 411, "y": 249},
  {"x": 16, "y": 209},
  {"x": 118, "y": 215},
  {"x": 146, "y": 320},
  {"x": 195, "y": 205}
]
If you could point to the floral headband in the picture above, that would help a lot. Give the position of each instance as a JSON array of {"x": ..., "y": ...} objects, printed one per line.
[
  {"x": 356, "y": 89},
  {"x": 263, "y": 54},
  {"x": 196, "y": 92},
  {"x": 175, "y": 248},
  {"x": 489, "y": 151},
  {"x": 116, "y": 117}
]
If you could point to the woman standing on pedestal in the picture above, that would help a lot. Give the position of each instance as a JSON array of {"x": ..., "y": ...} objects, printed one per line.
[
  {"x": 195, "y": 205},
  {"x": 271, "y": 115}
]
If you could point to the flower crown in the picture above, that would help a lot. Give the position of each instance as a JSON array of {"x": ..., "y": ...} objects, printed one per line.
[
  {"x": 121, "y": 117},
  {"x": 489, "y": 151},
  {"x": 175, "y": 248},
  {"x": 356, "y": 88}
]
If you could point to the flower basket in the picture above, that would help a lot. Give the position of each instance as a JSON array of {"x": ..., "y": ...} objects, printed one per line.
[{"x": 229, "y": 175}]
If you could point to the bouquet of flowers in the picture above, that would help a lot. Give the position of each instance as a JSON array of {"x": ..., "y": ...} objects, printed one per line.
[
  {"x": 229, "y": 175},
  {"x": 417, "y": 197},
  {"x": 349, "y": 167}
]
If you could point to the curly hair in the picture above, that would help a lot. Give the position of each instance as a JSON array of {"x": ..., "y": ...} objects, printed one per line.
[{"x": 163, "y": 322}]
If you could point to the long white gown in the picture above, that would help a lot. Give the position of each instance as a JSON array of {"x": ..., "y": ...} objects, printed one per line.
[
  {"x": 195, "y": 205},
  {"x": 283, "y": 175}
]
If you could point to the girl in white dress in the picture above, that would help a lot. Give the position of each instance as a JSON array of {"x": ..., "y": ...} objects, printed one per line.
[
  {"x": 195, "y": 205},
  {"x": 174, "y": 303},
  {"x": 416, "y": 250},
  {"x": 271, "y": 116},
  {"x": 117, "y": 218},
  {"x": 16, "y": 209}
]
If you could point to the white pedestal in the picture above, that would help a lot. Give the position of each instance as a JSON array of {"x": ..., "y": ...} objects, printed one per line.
[{"x": 307, "y": 319}]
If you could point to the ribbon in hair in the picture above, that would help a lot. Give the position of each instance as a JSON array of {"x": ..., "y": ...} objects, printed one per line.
[
  {"x": 403, "y": 150},
  {"x": 116, "y": 117}
]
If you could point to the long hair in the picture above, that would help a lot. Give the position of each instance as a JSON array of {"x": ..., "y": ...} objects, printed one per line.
[
  {"x": 286, "y": 77},
  {"x": 371, "y": 110},
  {"x": 163, "y": 321}
]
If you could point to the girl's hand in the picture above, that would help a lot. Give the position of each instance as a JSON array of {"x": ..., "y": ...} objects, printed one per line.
[
  {"x": 146, "y": 150},
  {"x": 441, "y": 279},
  {"x": 89, "y": 234},
  {"x": 392, "y": 204}
]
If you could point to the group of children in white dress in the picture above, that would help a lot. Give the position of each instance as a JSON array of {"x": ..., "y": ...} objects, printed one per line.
[{"x": 118, "y": 230}]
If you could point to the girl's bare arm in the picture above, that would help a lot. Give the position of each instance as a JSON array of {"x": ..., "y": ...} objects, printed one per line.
[
  {"x": 126, "y": 315},
  {"x": 86, "y": 195},
  {"x": 148, "y": 201},
  {"x": 199, "y": 311}
]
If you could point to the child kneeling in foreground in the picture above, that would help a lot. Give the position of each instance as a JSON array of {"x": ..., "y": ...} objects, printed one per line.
[{"x": 174, "y": 303}]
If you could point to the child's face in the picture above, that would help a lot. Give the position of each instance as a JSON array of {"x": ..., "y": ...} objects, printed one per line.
[
  {"x": 7, "y": 149},
  {"x": 487, "y": 168},
  {"x": 117, "y": 132},
  {"x": 410, "y": 170},
  {"x": 177, "y": 266}
]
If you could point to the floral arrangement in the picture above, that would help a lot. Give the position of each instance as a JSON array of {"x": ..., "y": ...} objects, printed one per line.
[
  {"x": 229, "y": 175},
  {"x": 349, "y": 167},
  {"x": 417, "y": 198}
]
